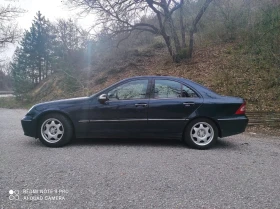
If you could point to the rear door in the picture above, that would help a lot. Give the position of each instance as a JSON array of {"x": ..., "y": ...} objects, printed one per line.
[{"x": 170, "y": 106}]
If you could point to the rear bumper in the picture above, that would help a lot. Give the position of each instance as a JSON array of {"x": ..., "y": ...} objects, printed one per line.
[
  {"x": 232, "y": 126},
  {"x": 28, "y": 126}
]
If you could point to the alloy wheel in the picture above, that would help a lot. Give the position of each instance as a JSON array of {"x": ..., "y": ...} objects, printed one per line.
[
  {"x": 202, "y": 133},
  {"x": 52, "y": 130}
]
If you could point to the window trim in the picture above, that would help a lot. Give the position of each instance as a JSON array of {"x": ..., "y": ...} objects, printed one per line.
[{"x": 182, "y": 84}]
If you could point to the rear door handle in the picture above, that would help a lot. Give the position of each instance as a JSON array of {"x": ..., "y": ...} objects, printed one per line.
[
  {"x": 187, "y": 104},
  {"x": 141, "y": 105}
]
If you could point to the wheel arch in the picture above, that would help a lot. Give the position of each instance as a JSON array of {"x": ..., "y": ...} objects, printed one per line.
[
  {"x": 203, "y": 117},
  {"x": 39, "y": 117}
]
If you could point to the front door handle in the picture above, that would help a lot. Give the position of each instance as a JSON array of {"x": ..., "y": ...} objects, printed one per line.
[
  {"x": 140, "y": 105},
  {"x": 188, "y": 104}
]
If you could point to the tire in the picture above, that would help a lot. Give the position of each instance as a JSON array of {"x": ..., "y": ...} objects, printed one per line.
[
  {"x": 201, "y": 133},
  {"x": 55, "y": 130}
]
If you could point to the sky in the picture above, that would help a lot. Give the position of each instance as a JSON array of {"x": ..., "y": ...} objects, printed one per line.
[{"x": 51, "y": 9}]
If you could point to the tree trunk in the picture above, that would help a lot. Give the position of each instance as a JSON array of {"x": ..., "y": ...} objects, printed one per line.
[
  {"x": 193, "y": 29},
  {"x": 168, "y": 44},
  {"x": 164, "y": 35},
  {"x": 191, "y": 44},
  {"x": 33, "y": 76},
  {"x": 47, "y": 68},
  {"x": 174, "y": 36},
  {"x": 183, "y": 28},
  {"x": 40, "y": 70}
]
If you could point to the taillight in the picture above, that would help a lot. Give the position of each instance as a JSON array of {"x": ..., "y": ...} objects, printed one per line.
[{"x": 241, "y": 110}]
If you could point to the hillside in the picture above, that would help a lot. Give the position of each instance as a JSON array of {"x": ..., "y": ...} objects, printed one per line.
[{"x": 225, "y": 68}]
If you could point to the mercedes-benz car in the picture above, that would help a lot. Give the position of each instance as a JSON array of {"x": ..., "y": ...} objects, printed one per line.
[{"x": 140, "y": 107}]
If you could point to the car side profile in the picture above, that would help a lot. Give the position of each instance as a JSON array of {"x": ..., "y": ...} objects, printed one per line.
[{"x": 140, "y": 107}]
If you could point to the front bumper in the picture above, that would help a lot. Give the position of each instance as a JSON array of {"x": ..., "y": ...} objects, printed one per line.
[
  {"x": 29, "y": 126},
  {"x": 232, "y": 126}
]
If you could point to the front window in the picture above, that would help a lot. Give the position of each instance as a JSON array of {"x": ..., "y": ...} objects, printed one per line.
[{"x": 129, "y": 91}]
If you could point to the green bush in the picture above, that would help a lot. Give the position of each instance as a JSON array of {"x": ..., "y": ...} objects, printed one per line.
[
  {"x": 158, "y": 45},
  {"x": 183, "y": 54}
]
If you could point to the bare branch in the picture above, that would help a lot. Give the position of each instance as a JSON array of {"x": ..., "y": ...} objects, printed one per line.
[
  {"x": 177, "y": 6},
  {"x": 126, "y": 37},
  {"x": 9, "y": 31},
  {"x": 200, "y": 13}
]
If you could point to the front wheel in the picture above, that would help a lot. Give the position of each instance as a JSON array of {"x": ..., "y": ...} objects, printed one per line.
[
  {"x": 55, "y": 130},
  {"x": 201, "y": 134}
]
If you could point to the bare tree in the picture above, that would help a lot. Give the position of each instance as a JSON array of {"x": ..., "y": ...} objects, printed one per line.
[
  {"x": 71, "y": 35},
  {"x": 9, "y": 31},
  {"x": 126, "y": 16},
  {"x": 194, "y": 25},
  {"x": 5, "y": 77}
]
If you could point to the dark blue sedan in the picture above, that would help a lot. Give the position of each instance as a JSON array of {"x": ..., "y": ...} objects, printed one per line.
[{"x": 147, "y": 106}]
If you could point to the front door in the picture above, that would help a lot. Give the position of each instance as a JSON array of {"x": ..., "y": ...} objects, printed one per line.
[{"x": 124, "y": 113}]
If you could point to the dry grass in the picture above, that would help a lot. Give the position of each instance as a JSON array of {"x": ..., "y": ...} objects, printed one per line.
[{"x": 224, "y": 68}]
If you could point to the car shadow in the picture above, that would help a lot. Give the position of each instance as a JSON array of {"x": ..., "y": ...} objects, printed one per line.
[
  {"x": 128, "y": 142},
  {"x": 221, "y": 144},
  {"x": 135, "y": 142}
]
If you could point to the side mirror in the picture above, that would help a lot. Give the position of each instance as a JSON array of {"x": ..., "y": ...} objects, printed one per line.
[{"x": 103, "y": 98}]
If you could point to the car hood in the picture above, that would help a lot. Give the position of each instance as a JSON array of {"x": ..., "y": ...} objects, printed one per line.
[{"x": 61, "y": 102}]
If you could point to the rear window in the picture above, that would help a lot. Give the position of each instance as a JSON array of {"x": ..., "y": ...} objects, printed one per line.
[{"x": 171, "y": 89}]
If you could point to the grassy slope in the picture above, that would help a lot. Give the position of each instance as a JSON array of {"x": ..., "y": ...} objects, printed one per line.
[{"x": 224, "y": 68}]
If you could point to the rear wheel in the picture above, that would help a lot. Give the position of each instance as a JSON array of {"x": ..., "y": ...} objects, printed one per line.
[
  {"x": 55, "y": 130},
  {"x": 201, "y": 133}
]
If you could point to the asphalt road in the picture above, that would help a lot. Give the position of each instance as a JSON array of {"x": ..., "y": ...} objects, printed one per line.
[{"x": 242, "y": 171}]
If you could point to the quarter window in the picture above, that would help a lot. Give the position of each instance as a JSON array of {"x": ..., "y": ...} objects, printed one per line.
[
  {"x": 129, "y": 91},
  {"x": 187, "y": 92},
  {"x": 171, "y": 89}
]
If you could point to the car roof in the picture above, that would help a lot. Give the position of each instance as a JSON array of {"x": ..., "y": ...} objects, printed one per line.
[
  {"x": 156, "y": 76},
  {"x": 168, "y": 77},
  {"x": 162, "y": 76}
]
